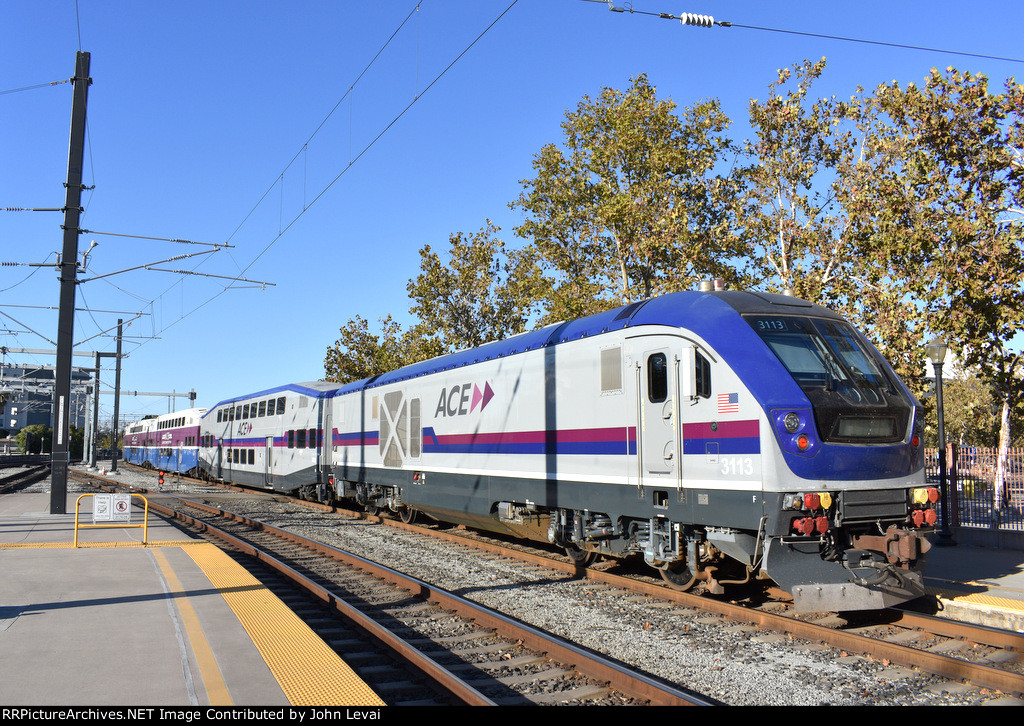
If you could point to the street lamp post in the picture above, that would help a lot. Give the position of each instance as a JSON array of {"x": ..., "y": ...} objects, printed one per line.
[{"x": 936, "y": 350}]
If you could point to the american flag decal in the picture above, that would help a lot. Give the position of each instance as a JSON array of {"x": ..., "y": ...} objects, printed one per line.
[{"x": 728, "y": 403}]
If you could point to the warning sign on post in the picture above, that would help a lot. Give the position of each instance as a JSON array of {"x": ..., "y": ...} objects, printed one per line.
[
  {"x": 122, "y": 510},
  {"x": 112, "y": 508}
]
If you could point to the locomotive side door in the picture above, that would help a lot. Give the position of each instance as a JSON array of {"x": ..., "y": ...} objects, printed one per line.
[{"x": 655, "y": 369}]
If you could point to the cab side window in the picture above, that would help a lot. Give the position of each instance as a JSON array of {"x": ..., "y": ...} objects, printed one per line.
[
  {"x": 657, "y": 378},
  {"x": 703, "y": 377}
]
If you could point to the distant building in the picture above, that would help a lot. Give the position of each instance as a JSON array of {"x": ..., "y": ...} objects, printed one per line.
[{"x": 27, "y": 393}]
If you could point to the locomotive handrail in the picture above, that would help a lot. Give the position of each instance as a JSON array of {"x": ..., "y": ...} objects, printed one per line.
[
  {"x": 640, "y": 426},
  {"x": 677, "y": 425}
]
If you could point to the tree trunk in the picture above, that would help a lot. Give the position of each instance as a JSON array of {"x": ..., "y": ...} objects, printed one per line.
[{"x": 999, "y": 495}]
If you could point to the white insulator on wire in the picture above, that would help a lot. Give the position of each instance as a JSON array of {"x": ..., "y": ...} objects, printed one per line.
[{"x": 704, "y": 21}]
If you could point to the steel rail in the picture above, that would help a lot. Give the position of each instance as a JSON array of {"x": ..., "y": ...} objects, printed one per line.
[
  {"x": 431, "y": 669},
  {"x": 9, "y": 482},
  {"x": 590, "y": 664},
  {"x": 935, "y": 663},
  {"x": 973, "y": 632}
]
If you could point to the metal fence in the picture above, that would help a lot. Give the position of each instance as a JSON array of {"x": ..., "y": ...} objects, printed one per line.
[{"x": 972, "y": 495}]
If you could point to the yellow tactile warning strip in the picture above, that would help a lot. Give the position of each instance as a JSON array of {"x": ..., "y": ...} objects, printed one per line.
[
  {"x": 309, "y": 672},
  {"x": 975, "y": 598},
  {"x": 86, "y": 545},
  {"x": 213, "y": 680}
]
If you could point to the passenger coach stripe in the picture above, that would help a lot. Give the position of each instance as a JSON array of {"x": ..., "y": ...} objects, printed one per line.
[
  {"x": 370, "y": 438},
  {"x": 569, "y": 441}
]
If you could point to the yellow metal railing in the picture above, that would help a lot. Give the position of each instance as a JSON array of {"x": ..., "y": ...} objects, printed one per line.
[{"x": 144, "y": 525}]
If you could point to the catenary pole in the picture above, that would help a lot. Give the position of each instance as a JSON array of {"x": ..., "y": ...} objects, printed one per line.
[
  {"x": 114, "y": 448},
  {"x": 60, "y": 453}
]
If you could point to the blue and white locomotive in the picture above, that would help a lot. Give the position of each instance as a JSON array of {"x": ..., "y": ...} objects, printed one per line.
[{"x": 722, "y": 436}]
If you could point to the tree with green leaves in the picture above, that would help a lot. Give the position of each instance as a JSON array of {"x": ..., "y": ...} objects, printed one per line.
[
  {"x": 627, "y": 209},
  {"x": 789, "y": 213},
  {"x": 482, "y": 292},
  {"x": 941, "y": 180},
  {"x": 359, "y": 353},
  {"x": 972, "y": 412},
  {"x": 796, "y": 214},
  {"x": 34, "y": 439}
]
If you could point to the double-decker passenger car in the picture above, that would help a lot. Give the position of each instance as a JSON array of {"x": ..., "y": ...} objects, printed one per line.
[
  {"x": 169, "y": 442},
  {"x": 267, "y": 439}
]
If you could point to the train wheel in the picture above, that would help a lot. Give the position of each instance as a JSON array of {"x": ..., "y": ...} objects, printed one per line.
[
  {"x": 580, "y": 557},
  {"x": 678, "y": 576},
  {"x": 408, "y": 514}
]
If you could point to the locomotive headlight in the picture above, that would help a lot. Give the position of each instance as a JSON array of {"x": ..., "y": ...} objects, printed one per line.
[{"x": 794, "y": 429}]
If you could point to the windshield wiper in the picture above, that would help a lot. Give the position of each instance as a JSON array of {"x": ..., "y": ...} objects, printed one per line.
[{"x": 828, "y": 363}]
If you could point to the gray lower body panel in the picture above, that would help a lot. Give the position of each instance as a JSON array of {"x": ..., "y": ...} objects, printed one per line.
[
  {"x": 819, "y": 585},
  {"x": 472, "y": 499}
]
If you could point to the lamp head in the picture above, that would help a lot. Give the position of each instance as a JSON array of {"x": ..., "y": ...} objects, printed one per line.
[{"x": 936, "y": 349}]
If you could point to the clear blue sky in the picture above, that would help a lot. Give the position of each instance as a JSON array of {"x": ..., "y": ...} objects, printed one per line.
[{"x": 198, "y": 109}]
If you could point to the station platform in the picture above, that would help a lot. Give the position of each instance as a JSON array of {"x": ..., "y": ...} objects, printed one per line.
[
  {"x": 175, "y": 622},
  {"x": 979, "y": 585}
]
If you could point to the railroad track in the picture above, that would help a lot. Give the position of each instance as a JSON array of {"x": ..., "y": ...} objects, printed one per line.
[
  {"x": 964, "y": 652},
  {"x": 982, "y": 657},
  {"x": 12, "y": 480},
  {"x": 447, "y": 645}
]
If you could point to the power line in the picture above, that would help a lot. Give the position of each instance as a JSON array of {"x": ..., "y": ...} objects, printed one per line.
[
  {"x": 362, "y": 152},
  {"x": 879, "y": 42},
  {"x": 159, "y": 239},
  {"x": 37, "y": 85},
  {"x": 707, "y": 21},
  {"x": 280, "y": 176},
  {"x": 328, "y": 116}
]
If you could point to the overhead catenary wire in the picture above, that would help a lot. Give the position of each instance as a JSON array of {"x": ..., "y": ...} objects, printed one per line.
[
  {"x": 285, "y": 227},
  {"x": 708, "y": 21},
  {"x": 301, "y": 152},
  {"x": 286, "y": 224},
  {"x": 326, "y": 118}
]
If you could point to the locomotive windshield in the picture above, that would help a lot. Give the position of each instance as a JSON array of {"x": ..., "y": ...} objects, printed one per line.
[{"x": 855, "y": 397}]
